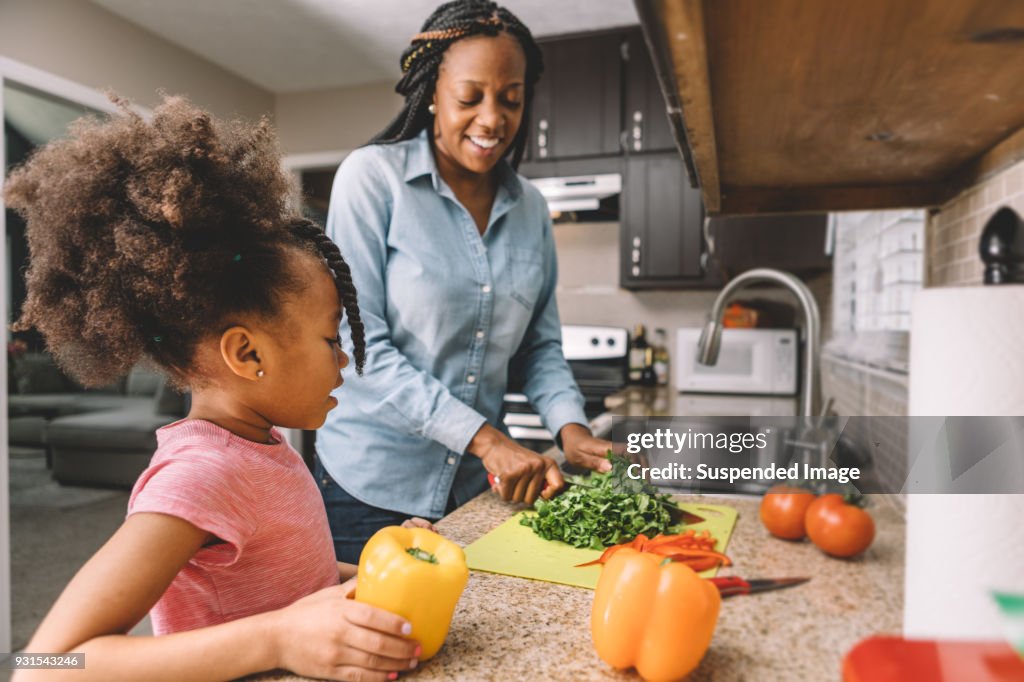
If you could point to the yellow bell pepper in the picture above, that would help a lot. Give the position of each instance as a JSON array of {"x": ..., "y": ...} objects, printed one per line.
[
  {"x": 417, "y": 574},
  {"x": 652, "y": 614}
]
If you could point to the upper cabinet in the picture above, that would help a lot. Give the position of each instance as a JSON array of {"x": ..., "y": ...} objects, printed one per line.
[
  {"x": 577, "y": 110},
  {"x": 646, "y": 122},
  {"x": 598, "y": 97},
  {"x": 788, "y": 106}
]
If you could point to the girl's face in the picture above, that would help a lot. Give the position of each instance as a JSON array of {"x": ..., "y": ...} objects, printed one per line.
[
  {"x": 479, "y": 99},
  {"x": 303, "y": 362}
]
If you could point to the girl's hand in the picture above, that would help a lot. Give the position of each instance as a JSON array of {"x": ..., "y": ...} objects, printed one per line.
[
  {"x": 522, "y": 474},
  {"x": 329, "y": 635},
  {"x": 583, "y": 450},
  {"x": 417, "y": 522}
]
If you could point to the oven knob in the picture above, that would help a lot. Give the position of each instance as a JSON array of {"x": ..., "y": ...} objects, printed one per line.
[
  {"x": 594, "y": 341},
  {"x": 611, "y": 341}
]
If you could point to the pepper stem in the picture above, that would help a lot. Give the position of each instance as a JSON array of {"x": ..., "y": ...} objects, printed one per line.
[{"x": 422, "y": 555}]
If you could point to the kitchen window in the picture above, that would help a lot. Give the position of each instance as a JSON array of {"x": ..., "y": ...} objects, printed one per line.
[{"x": 877, "y": 267}]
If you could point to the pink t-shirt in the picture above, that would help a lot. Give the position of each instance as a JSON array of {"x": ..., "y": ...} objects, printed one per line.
[{"x": 260, "y": 500}]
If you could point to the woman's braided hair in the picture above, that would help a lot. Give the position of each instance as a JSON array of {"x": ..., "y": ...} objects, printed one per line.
[
  {"x": 147, "y": 237},
  {"x": 421, "y": 60}
]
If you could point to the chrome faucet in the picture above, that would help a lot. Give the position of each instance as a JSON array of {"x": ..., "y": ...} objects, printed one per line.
[{"x": 711, "y": 337}]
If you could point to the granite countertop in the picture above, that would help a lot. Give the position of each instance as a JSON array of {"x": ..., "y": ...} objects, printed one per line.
[{"x": 510, "y": 628}]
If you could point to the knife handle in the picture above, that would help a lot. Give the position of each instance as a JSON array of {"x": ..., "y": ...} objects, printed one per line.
[{"x": 731, "y": 585}]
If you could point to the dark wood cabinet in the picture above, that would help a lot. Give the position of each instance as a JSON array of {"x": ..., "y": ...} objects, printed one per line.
[
  {"x": 646, "y": 124},
  {"x": 577, "y": 106},
  {"x": 661, "y": 233},
  {"x": 787, "y": 242}
]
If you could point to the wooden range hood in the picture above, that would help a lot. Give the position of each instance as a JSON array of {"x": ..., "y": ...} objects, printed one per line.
[{"x": 828, "y": 105}]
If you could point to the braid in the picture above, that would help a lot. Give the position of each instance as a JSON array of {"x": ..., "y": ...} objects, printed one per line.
[
  {"x": 313, "y": 235},
  {"x": 421, "y": 60}
]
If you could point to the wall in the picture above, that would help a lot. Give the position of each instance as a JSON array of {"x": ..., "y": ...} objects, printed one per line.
[
  {"x": 953, "y": 231},
  {"x": 334, "y": 119},
  {"x": 87, "y": 44},
  {"x": 951, "y": 259}
]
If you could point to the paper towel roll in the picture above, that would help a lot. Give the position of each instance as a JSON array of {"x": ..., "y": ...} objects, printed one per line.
[
  {"x": 966, "y": 358},
  {"x": 966, "y": 354},
  {"x": 960, "y": 548}
]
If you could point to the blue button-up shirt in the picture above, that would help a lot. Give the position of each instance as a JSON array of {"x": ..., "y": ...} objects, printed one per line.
[{"x": 446, "y": 311}]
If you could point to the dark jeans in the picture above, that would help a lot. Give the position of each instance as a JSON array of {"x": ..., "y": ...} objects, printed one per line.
[{"x": 352, "y": 521}]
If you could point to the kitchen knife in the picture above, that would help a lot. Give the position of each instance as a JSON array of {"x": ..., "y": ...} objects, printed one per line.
[{"x": 732, "y": 585}]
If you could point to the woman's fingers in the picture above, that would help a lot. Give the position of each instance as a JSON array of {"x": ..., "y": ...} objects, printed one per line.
[
  {"x": 553, "y": 479},
  {"x": 534, "y": 487}
]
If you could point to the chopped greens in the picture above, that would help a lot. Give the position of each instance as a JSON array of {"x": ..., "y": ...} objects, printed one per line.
[{"x": 602, "y": 510}]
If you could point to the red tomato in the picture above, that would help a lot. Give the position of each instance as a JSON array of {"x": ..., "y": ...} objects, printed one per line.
[
  {"x": 839, "y": 528},
  {"x": 783, "y": 509}
]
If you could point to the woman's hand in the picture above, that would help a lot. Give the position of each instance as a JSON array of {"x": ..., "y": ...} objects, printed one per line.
[
  {"x": 583, "y": 450},
  {"x": 329, "y": 635},
  {"x": 522, "y": 474}
]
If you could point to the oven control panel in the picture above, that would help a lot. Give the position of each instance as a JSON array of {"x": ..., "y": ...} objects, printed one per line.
[{"x": 594, "y": 343}]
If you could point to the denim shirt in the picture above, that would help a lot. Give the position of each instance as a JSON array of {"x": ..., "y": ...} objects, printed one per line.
[{"x": 446, "y": 312}]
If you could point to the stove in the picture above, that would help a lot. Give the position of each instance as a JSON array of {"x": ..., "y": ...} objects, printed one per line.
[{"x": 599, "y": 360}]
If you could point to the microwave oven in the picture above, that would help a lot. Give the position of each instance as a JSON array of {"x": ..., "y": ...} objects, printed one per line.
[{"x": 750, "y": 362}]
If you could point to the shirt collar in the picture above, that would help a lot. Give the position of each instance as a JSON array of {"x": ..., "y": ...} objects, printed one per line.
[{"x": 420, "y": 161}]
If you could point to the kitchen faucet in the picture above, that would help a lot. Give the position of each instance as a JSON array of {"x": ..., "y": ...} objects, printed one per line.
[{"x": 711, "y": 336}]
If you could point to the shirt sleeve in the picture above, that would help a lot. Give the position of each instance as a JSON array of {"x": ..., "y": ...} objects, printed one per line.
[
  {"x": 409, "y": 399},
  {"x": 207, "y": 492},
  {"x": 549, "y": 383}
]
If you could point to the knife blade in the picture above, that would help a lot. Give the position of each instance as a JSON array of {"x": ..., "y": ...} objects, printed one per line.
[{"x": 732, "y": 585}]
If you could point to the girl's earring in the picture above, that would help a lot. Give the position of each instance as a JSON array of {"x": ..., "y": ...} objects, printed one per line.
[
  {"x": 432, "y": 109},
  {"x": 259, "y": 374}
]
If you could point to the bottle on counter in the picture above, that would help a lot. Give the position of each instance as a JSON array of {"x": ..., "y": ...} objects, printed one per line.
[
  {"x": 638, "y": 354},
  {"x": 661, "y": 357},
  {"x": 647, "y": 376}
]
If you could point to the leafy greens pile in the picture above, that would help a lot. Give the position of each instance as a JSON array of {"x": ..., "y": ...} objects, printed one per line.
[{"x": 602, "y": 510}]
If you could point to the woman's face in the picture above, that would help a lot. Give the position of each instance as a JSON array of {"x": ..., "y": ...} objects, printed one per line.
[{"x": 479, "y": 99}]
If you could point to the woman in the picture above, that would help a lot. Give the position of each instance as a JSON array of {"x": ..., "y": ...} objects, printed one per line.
[{"x": 454, "y": 260}]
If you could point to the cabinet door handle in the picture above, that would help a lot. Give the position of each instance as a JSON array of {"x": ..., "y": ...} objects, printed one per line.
[{"x": 638, "y": 131}]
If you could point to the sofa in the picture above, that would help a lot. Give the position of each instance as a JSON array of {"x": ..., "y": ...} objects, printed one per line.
[{"x": 97, "y": 437}]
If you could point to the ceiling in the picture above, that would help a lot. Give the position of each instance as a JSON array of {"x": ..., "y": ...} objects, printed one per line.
[{"x": 293, "y": 45}]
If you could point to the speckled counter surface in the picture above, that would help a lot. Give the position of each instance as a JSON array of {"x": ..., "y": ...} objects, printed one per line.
[{"x": 514, "y": 629}]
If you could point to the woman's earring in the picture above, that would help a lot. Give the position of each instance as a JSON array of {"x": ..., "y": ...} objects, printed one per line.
[
  {"x": 432, "y": 109},
  {"x": 259, "y": 374}
]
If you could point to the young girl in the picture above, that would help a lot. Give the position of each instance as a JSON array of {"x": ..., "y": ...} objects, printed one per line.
[{"x": 173, "y": 241}]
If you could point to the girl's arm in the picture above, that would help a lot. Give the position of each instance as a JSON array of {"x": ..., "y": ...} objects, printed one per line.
[{"x": 324, "y": 635}]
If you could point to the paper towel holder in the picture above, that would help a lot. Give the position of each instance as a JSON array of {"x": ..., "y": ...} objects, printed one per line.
[{"x": 1002, "y": 247}]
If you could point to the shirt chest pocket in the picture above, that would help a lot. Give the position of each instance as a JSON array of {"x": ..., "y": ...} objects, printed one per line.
[{"x": 526, "y": 268}]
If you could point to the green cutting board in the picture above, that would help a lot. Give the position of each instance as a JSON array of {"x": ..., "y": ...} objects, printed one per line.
[{"x": 514, "y": 549}]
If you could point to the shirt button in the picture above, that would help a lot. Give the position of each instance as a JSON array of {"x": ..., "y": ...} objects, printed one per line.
[
  {"x": 479, "y": 333},
  {"x": 486, "y": 288},
  {"x": 471, "y": 378},
  {"x": 451, "y": 460}
]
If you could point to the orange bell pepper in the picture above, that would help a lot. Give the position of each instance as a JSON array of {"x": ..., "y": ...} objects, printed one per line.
[{"x": 652, "y": 614}]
